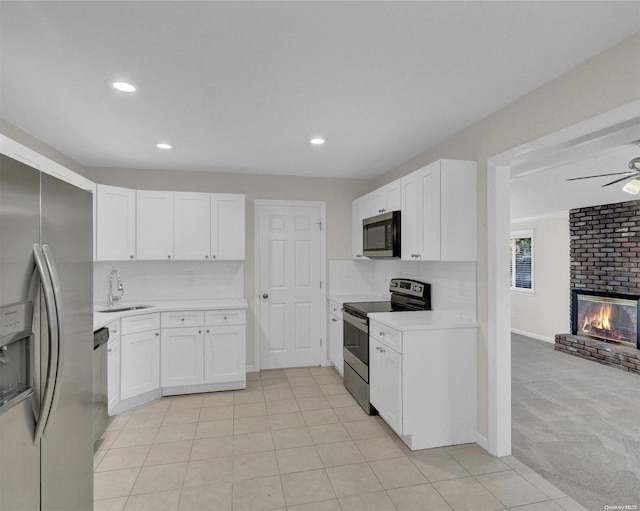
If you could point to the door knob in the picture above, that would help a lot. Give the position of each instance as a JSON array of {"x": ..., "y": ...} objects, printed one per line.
[{"x": 265, "y": 296}]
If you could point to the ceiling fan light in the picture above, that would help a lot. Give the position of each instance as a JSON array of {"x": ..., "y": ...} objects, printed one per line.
[{"x": 632, "y": 187}]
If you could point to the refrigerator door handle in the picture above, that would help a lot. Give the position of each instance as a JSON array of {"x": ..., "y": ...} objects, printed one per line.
[
  {"x": 57, "y": 295},
  {"x": 52, "y": 322}
]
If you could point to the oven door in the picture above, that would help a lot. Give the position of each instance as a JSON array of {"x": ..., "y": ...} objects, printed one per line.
[{"x": 356, "y": 343}]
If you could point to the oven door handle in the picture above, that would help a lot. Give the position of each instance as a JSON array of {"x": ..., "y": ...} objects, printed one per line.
[{"x": 359, "y": 323}]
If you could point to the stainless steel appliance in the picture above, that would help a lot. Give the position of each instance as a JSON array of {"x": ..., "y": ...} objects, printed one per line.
[
  {"x": 381, "y": 236},
  {"x": 406, "y": 295},
  {"x": 46, "y": 434},
  {"x": 100, "y": 389}
]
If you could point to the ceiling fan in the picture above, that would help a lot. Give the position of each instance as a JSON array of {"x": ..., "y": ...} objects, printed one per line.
[{"x": 633, "y": 186}]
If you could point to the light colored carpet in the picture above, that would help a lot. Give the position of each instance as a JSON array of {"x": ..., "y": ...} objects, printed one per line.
[{"x": 576, "y": 423}]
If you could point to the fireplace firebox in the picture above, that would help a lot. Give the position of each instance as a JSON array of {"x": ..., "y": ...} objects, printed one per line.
[{"x": 609, "y": 317}]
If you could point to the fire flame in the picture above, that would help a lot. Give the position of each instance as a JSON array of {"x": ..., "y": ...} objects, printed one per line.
[{"x": 599, "y": 320}]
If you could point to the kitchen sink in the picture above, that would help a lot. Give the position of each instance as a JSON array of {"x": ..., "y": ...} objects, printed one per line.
[{"x": 124, "y": 309}]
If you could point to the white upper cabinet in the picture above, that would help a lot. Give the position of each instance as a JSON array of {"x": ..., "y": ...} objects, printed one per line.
[
  {"x": 385, "y": 199},
  {"x": 192, "y": 228},
  {"x": 439, "y": 212},
  {"x": 154, "y": 225},
  {"x": 359, "y": 211},
  {"x": 227, "y": 226},
  {"x": 115, "y": 223}
]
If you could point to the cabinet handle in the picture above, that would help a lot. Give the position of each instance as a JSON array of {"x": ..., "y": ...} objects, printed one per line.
[
  {"x": 168, "y": 257},
  {"x": 114, "y": 331},
  {"x": 208, "y": 331},
  {"x": 381, "y": 334},
  {"x": 182, "y": 319},
  {"x": 109, "y": 350},
  {"x": 334, "y": 320},
  {"x": 206, "y": 257},
  {"x": 131, "y": 256},
  {"x": 225, "y": 318},
  {"x": 213, "y": 257},
  {"x": 157, "y": 334},
  {"x": 199, "y": 331}
]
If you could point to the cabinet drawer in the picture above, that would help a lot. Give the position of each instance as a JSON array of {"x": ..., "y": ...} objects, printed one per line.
[
  {"x": 386, "y": 335},
  {"x": 142, "y": 323},
  {"x": 224, "y": 317},
  {"x": 179, "y": 319},
  {"x": 335, "y": 309}
]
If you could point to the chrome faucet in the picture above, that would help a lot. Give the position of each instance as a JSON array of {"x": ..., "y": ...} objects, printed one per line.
[{"x": 119, "y": 287}]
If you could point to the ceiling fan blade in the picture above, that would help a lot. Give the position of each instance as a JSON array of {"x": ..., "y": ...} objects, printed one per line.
[
  {"x": 635, "y": 174},
  {"x": 600, "y": 175}
]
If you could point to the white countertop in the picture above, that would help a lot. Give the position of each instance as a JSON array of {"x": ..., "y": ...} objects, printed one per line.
[
  {"x": 422, "y": 320},
  {"x": 342, "y": 299},
  {"x": 101, "y": 319}
]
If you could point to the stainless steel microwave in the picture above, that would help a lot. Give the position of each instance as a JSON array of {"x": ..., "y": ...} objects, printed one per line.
[{"x": 381, "y": 236}]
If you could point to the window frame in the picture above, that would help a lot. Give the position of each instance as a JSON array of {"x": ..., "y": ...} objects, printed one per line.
[{"x": 521, "y": 234}]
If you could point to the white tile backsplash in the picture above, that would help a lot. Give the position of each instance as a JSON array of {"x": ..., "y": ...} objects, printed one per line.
[
  {"x": 171, "y": 280},
  {"x": 453, "y": 284}
]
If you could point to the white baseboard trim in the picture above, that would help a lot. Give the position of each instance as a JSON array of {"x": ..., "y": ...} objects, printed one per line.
[
  {"x": 482, "y": 441},
  {"x": 534, "y": 336}
]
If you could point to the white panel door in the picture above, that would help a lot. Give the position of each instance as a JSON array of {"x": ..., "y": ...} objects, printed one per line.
[
  {"x": 192, "y": 233},
  {"x": 289, "y": 289},
  {"x": 154, "y": 225}
]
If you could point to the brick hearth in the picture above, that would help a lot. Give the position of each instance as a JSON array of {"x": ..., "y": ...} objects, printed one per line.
[{"x": 614, "y": 355}]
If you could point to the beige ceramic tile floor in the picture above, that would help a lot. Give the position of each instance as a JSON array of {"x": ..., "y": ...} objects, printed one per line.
[{"x": 295, "y": 439}]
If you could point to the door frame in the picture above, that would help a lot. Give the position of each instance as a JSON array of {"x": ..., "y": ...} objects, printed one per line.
[
  {"x": 569, "y": 143},
  {"x": 257, "y": 303}
]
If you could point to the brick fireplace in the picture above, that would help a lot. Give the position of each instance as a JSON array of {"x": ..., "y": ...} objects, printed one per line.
[{"x": 605, "y": 285}]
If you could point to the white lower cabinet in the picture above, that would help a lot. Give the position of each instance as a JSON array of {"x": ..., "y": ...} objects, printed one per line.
[
  {"x": 386, "y": 386},
  {"x": 336, "y": 336},
  {"x": 113, "y": 366},
  {"x": 181, "y": 356},
  {"x": 224, "y": 354},
  {"x": 140, "y": 363},
  {"x": 423, "y": 383}
]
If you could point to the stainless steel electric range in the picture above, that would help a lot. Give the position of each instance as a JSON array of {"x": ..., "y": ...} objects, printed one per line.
[{"x": 406, "y": 295}]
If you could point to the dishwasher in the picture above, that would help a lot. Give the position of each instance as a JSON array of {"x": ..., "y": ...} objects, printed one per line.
[{"x": 100, "y": 392}]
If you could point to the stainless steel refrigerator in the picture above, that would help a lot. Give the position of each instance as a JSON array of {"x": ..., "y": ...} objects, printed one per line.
[{"x": 46, "y": 342}]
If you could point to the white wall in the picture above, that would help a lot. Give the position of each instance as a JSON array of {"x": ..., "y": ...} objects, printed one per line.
[{"x": 545, "y": 312}]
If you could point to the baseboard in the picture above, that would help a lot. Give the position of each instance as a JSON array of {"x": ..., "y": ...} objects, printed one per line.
[
  {"x": 533, "y": 336},
  {"x": 483, "y": 442},
  {"x": 252, "y": 369}
]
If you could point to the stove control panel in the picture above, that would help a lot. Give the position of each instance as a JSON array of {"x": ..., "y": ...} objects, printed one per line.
[{"x": 409, "y": 287}]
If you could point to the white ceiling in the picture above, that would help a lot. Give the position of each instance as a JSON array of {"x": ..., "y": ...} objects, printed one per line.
[
  {"x": 243, "y": 86},
  {"x": 546, "y": 191}
]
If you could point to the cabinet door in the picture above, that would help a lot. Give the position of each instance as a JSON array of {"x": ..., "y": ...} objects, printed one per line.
[
  {"x": 359, "y": 211},
  {"x": 22, "y": 153},
  {"x": 227, "y": 226},
  {"x": 181, "y": 356},
  {"x": 430, "y": 190},
  {"x": 224, "y": 354},
  {"x": 113, "y": 372},
  {"x": 139, "y": 363},
  {"x": 192, "y": 229},
  {"x": 154, "y": 225},
  {"x": 393, "y": 369},
  {"x": 336, "y": 342},
  {"x": 411, "y": 217},
  {"x": 115, "y": 223},
  {"x": 377, "y": 376},
  {"x": 391, "y": 195},
  {"x": 458, "y": 193}
]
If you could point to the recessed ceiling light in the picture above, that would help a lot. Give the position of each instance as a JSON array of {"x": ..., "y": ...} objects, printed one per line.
[
  {"x": 317, "y": 141},
  {"x": 163, "y": 146},
  {"x": 123, "y": 87}
]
